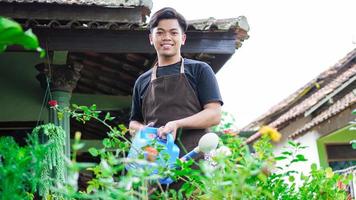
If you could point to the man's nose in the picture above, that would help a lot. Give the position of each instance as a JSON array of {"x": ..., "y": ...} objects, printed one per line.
[{"x": 166, "y": 36}]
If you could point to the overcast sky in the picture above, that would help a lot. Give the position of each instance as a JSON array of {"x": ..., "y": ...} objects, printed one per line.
[{"x": 291, "y": 42}]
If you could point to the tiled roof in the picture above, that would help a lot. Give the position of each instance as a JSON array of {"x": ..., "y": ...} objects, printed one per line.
[
  {"x": 105, "y": 3},
  {"x": 315, "y": 98},
  {"x": 237, "y": 25},
  {"x": 220, "y": 24},
  {"x": 336, "y": 108},
  {"x": 286, "y": 109}
]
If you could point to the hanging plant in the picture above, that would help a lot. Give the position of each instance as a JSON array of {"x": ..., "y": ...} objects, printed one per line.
[{"x": 54, "y": 169}]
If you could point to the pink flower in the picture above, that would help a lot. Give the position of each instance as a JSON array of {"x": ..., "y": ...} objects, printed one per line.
[{"x": 53, "y": 103}]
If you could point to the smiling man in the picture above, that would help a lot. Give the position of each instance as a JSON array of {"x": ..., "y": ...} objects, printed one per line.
[{"x": 177, "y": 93}]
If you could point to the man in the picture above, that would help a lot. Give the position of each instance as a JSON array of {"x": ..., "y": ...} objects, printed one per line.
[{"x": 176, "y": 93}]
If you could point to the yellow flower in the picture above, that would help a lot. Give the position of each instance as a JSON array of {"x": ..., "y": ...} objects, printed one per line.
[
  {"x": 329, "y": 172},
  {"x": 271, "y": 133}
]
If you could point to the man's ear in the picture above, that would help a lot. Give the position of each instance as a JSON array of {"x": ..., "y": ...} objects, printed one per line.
[
  {"x": 184, "y": 37},
  {"x": 150, "y": 37}
]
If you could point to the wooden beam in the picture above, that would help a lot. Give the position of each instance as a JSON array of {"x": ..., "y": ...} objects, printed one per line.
[
  {"x": 70, "y": 12},
  {"x": 219, "y": 61},
  {"x": 110, "y": 41}
]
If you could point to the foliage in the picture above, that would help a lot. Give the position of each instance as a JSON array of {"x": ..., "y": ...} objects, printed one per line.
[
  {"x": 11, "y": 33},
  {"x": 234, "y": 171},
  {"x": 54, "y": 167},
  {"x": 353, "y": 128},
  {"x": 228, "y": 122},
  {"x": 20, "y": 168}
]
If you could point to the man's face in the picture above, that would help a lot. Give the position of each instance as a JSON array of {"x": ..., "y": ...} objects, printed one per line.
[{"x": 167, "y": 38}]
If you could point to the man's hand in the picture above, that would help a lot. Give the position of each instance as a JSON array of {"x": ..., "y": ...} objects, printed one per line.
[
  {"x": 170, "y": 127},
  {"x": 136, "y": 126}
]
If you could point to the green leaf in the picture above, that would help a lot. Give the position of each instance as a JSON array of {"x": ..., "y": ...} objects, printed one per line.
[
  {"x": 313, "y": 167},
  {"x": 287, "y": 153},
  {"x": 280, "y": 158},
  {"x": 11, "y": 33},
  {"x": 78, "y": 146},
  {"x": 123, "y": 128},
  {"x": 93, "y": 107},
  {"x": 353, "y": 144},
  {"x": 291, "y": 178},
  {"x": 28, "y": 40},
  {"x": 107, "y": 116},
  {"x": 41, "y": 51},
  {"x": 301, "y": 157},
  {"x": 107, "y": 143},
  {"x": 293, "y": 144},
  {"x": 93, "y": 151},
  {"x": 7, "y": 23},
  {"x": 2, "y": 48},
  {"x": 60, "y": 115},
  {"x": 354, "y": 112}
]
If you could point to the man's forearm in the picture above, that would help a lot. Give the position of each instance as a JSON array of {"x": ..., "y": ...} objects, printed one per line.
[{"x": 206, "y": 118}]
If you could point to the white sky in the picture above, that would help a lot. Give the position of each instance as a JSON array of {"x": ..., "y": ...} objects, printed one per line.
[{"x": 291, "y": 42}]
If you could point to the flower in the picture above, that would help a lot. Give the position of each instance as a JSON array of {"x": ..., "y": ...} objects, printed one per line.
[
  {"x": 229, "y": 132},
  {"x": 271, "y": 133},
  {"x": 53, "y": 103},
  {"x": 223, "y": 150}
]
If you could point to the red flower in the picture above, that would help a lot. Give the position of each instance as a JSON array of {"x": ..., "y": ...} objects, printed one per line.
[
  {"x": 229, "y": 132},
  {"x": 53, "y": 103}
]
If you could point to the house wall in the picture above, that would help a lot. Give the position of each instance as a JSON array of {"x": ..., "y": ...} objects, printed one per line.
[
  {"x": 334, "y": 123},
  {"x": 311, "y": 153},
  {"x": 21, "y": 94},
  {"x": 310, "y": 138}
]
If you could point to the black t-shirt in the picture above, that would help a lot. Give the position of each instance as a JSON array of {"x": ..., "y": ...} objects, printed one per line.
[{"x": 199, "y": 74}]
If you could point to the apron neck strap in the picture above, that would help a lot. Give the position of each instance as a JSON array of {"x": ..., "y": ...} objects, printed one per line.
[{"x": 154, "y": 70}]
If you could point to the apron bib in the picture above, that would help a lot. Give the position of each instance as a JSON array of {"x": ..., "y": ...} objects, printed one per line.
[{"x": 170, "y": 98}]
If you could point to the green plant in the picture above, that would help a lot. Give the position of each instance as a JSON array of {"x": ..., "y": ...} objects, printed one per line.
[
  {"x": 54, "y": 169},
  {"x": 11, "y": 33},
  {"x": 20, "y": 168},
  {"x": 234, "y": 171},
  {"x": 227, "y": 123}
]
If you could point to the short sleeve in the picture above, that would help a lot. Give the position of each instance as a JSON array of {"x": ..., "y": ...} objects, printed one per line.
[
  {"x": 207, "y": 86},
  {"x": 136, "y": 113}
]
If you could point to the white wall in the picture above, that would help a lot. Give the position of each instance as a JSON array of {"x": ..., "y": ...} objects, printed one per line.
[{"x": 311, "y": 153}]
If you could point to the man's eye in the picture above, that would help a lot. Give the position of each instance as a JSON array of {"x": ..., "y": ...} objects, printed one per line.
[{"x": 174, "y": 33}]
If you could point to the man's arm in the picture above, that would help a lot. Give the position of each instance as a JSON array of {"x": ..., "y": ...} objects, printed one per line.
[{"x": 209, "y": 116}]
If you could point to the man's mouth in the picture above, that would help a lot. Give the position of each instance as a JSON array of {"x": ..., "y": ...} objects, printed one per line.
[{"x": 166, "y": 46}]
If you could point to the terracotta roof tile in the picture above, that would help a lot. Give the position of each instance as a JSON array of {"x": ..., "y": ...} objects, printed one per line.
[
  {"x": 238, "y": 25},
  {"x": 288, "y": 102},
  {"x": 336, "y": 108},
  {"x": 105, "y": 3},
  {"x": 315, "y": 98}
]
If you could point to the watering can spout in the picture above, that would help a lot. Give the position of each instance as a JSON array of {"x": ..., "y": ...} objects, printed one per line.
[{"x": 207, "y": 143}]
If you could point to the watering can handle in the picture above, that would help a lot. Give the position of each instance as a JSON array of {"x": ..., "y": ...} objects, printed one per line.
[
  {"x": 146, "y": 132},
  {"x": 170, "y": 142}
]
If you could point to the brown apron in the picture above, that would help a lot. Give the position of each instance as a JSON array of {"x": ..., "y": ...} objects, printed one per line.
[{"x": 170, "y": 98}]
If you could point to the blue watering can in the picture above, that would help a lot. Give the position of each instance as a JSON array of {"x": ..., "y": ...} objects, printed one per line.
[{"x": 149, "y": 137}]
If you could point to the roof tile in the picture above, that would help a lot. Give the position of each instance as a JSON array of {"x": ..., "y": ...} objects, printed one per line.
[{"x": 336, "y": 108}]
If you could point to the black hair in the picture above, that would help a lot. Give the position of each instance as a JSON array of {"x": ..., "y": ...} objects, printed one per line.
[{"x": 167, "y": 13}]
